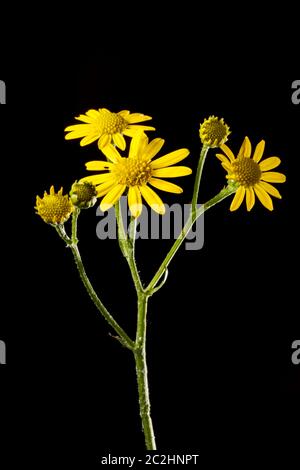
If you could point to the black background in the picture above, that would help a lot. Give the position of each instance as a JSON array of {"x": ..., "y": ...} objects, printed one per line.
[{"x": 220, "y": 331}]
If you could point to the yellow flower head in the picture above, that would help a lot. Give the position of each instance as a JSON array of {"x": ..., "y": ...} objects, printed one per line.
[
  {"x": 214, "y": 132},
  {"x": 83, "y": 195},
  {"x": 54, "y": 208},
  {"x": 135, "y": 172},
  {"x": 252, "y": 175},
  {"x": 105, "y": 126}
]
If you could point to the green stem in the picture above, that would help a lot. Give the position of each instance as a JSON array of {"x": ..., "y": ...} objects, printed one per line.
[
  {"x": 142, "y": 372},
  {"x": 62, "y": 233},
  {"x": 75, "y": 216},
  {"x": 223, "y": 194},
  {"x": 203, "y": 153},
  {"x": 127, "y": 245},
  {"x": 122, "y": 236}
]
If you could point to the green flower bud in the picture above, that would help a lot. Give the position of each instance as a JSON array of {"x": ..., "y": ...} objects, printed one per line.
[{"x": 83, "y": 195}]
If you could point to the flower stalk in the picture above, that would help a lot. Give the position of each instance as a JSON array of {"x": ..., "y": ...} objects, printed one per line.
[{"x": 203, "y": 154}]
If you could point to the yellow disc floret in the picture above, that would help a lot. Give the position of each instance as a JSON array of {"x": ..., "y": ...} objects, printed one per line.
[
  {"x": 54, "y": 208},
  {"x": 133, "y": 171},
  {"x": 246, "y": 171},
  {"x": 214, "y": 132},
  {"x": 111, "y": 123}
]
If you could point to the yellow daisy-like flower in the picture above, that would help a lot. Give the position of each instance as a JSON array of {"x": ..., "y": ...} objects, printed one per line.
[
  {"x": 54, "y": 208},
  {"x": 105, "y": 126},
  {"x": 252, "y": 174},
  {"x": 214, "y": 132},
  {"x": 135, "y": 172}
]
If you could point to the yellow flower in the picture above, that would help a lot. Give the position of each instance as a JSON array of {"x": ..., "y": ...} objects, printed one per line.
[
  {"x": 135, "y": 172},
  {"x": 105, "y": 126},
  {"x": 54, "y": 208},
  {"x": 252, "y": 175},
  {"x": 214, "y": 132}
]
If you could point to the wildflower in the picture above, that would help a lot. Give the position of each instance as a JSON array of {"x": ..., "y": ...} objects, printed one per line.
[
  {"x": 135, "y": 173},
  {"x": 252, "y": 175},
  {"x": 214, "y": 132},
  {"x": 54, "y": 208},
  {"x": 106, "y": 127}
]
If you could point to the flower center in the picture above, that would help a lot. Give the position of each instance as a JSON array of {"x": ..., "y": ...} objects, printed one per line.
[
  {"x": 110, "y": 123},
  {"x": 214, "y": 132},
  {"x": 54, "y": 208},
  {"x": 246, "y": 171},
  {"x": 133, "y": 171}
]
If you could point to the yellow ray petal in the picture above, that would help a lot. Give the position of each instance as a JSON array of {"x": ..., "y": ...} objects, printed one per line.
[
  {"x": 111, "y": 153},
  {"x": 137, "y": 144},
  {"x": 93, "y": 113},
  {"x": 97, "y": 179},
  {"x": 137, "y": 117},
  {"x": 104, "y": 141},
  {"x": 89, "y": 139},
  {"x": 105, "y": 187},
  {"x": 165, "y": 186},
  {"x": 269, "y": 163},
  {"x": 129, "y": 132},
  {"x": 172, "y": 172},
  {"x": 139, "y": 128},
  {"x": 152, "y": 199},
  {"x": 228, "y": 152},
  {"x": 153, "y": 148},
  {"x": 259, "y": 151},
  {"x": 223, "y": 158},
  {"x": 264, "y": 197},
  {"x": 84, "y": 118},
  {"x": 98, "y": 165},
  {"x": 250, "y": 198},
  {"x": 238, "y": 198},
  {"x": 273, "y": 177},
  {"x": 119, "y": 141},
  {"x": 135, "y": 201},
  {"x": 77, "y": 135},
  {"x": 112, "y": 197},
  {"x": 227, "y": 166},
  {"x": 86, "y": 128},
  {"x": 124, "y": 113},
  {"x": 170, "y": 158},
  {"x": 246, "y": 148},
  {"x": 270, "y": 189}
]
